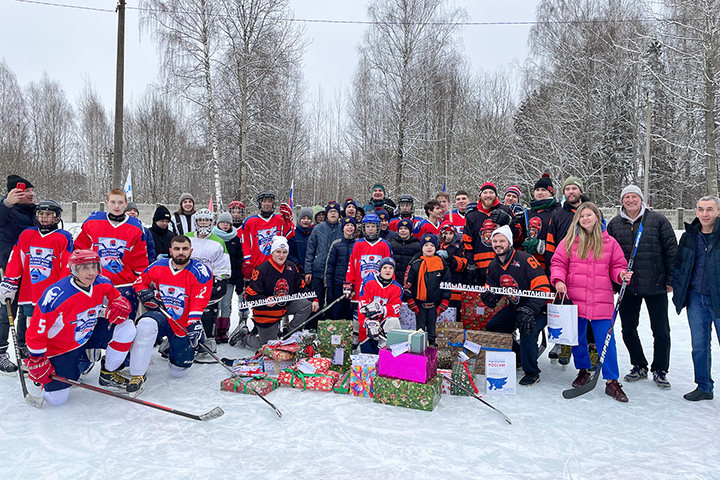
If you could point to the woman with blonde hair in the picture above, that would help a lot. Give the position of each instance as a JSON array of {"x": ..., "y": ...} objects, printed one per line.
[{"x": 584, "y": 267}]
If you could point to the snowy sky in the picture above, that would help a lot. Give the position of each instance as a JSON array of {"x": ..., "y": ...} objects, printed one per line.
[{"x": 74, "y": 45}]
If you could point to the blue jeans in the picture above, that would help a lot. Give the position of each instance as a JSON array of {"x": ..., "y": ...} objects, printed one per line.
[
  {"x": 582, "y": 355},
  {"x": 701, "y": 316}
]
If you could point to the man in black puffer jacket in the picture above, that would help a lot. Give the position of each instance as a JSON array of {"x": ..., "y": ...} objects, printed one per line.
[
  {"x": 336, "y": 268},
  {"x": 652, "y": 280}
]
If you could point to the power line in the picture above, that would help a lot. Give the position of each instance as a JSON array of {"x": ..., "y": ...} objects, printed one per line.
[{"x": 363, "y": 22}]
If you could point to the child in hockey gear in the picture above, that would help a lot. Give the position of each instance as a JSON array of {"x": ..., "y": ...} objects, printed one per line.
[
  {"x": 595, "y": 260},
  {"x": 229, "y": 235},
  {"x": 276, "y": 277},
  {"x": 120, "y": 241},
  {"x": 210, "y": 249},
  {"x": 422, "y": 286},
  {"x": 480, "y": 224},
  {"x": 39, "y": 256},
  {"x": 433, "y": 210},
  {"x": 259, "y": 230},
  {"x": 68, "y": 320},
  {"x": 237, "y": 210},
  {"x": 406, "y": 211},
  {"x": 175, "y": 292},
  {"x": 516, "y": 269},
  {"x": 337, "y": 265},
  {"x": 183, "y": 220},
  {"x": 379, "y": 307}
]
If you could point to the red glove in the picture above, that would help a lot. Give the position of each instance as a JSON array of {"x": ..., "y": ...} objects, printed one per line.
[
  {"x": 442, "y": 307},
  {"x": 413, "y": 308},
  {"x": 286, "y": 211},
  {"x": 40, "y": 370},
  {"x": 118, "y": 310}
]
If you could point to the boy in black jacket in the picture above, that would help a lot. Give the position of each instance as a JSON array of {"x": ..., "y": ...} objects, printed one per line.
[{"x": 422, "y": 286}]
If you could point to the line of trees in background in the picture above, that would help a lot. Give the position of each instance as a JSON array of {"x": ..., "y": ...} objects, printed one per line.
[{"x": 231, "y": 114}]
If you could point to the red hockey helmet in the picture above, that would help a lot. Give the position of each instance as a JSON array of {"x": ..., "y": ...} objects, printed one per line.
[{"x": 83, "y": 257}]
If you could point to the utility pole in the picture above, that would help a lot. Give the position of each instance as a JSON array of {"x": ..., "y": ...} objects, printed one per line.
[
  {"x": 646, "y": 190},
  {"x": 117, "y": 181}
]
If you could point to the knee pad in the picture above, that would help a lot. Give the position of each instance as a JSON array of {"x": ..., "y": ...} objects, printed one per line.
[
  {"x": 124, "y": 332},
  {"x": 176, "y": 371},
  {"x": 147, "y": 331},
  {"x": 56, "y": 397}
]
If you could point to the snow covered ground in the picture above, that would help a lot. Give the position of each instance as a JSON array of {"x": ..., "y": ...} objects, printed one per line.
[{"x": 656, "y": 435}]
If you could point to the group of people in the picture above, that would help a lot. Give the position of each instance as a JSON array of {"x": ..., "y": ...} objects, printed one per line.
[{"x": 83, "y": 297}]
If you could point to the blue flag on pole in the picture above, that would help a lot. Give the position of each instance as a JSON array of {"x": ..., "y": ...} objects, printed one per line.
[{"x": 127, "y": 188}]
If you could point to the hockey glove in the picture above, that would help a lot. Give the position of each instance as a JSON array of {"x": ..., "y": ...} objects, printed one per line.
[
  {"x": 530, "y": 245},
  {"x": 118, "y": 310},
  {"x": 151, "y": 299},
  {"x": 7, "y": 291},
  {"x": 500, "y": 217},
  {"x": 442, "y": 254},
  {"x": 219, "y": 288},
  {"x": 196, "y": 333},
  {"x": 413, "y": 308},
  {"x": 489, "y": 298},
  {"x": 517, "y": 210},
  {"x": 348, "y": 289},
  {"x": 373, "y": 310},
  {"x": 286, "y": 211},
  {"x": 442, "y": 307},
  {"x": 525, "y": 321},
  {"x": 40, "y": 370},
  {"x": 374, "y": 330}
]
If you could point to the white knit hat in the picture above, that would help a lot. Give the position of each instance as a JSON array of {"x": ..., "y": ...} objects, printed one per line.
[
  {"x": 279, "y": 242},
  {"x": 504, "y": 230}
]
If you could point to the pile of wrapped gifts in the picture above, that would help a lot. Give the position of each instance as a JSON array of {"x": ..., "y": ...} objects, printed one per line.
[
  {"x": 453, "y": 338},
  {"x": 474, "y": 314},
  {"x": 407, "y": 372}
]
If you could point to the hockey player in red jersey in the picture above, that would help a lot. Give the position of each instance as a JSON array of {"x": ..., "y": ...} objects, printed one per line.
[
  {"x": 433, "y": 210},
  {"x": 406, "y": 210},
  {"x": 379, "y": 307},
  {"x": 69, "y": 319},
  {"x": 259, "y": 230},
  {"x": 179, "y": 286},
  {"x": 39, "y": 257},
  {"x": 119, "y": 240},
  {"x": 457, "y": 216},
  {"x": 364, "y": 262}
]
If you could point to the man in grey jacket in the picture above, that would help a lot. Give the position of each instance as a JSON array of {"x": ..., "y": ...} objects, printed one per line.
[
  {"x": 318, "y": 247},
  {"x": 652, "y": 280}
]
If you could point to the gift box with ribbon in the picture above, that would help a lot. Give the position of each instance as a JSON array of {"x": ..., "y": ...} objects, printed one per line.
[
  {"x": 248, "y": 367},
  {"x": 463, "y": 373},
  {"x": 335, "y": 337},
  {"x": 446, "y": 374},
  {"x": 262, "y": 385},
  {"x": 403, "y": 393},
  {"x": 280, "y": 352},
  {"x": 417, "y": 339},
  {"x": 342, "y": 385},
  {"x": 474, "y": 314},
  {"x": 310, "y": 374},
  {"x": 474, "y": 343},
  {"x": 308, "y": 346},
  {"x": 362, "y": 374},
  {"x": 273, "y": 367},
  {"x": 414, "y": 367}
]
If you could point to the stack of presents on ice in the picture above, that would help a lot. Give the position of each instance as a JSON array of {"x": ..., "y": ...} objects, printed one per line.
[{"x": 368, "y": 300}]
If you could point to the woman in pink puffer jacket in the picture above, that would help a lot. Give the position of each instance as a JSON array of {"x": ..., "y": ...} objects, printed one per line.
[{"x": 584, "y": 266}]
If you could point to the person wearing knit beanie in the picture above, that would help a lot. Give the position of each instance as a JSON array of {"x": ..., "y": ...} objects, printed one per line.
[
  {"x": 332, "y": 206},
  {"x": 161, "y": 213},
  {"x": 13, "y": 180},
  {"x": 429, "y": 238},
  {"x": 225, "y": 217},
  {"x": 545, "y": 183},
  {"x": 488, "y": 186},
  {"x": 632, "y": 189},
  {"x": 132, "y": 206},
  {"x": 305, "y": 212},
  {"x": 573, "y": 181},
  {"x": 349, "y": 208},
  {"x": 512, "y": 195}
]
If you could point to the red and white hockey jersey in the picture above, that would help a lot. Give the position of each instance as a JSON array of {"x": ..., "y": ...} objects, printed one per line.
[
  {"x": 257, "y": 237},
  {"x": 390, "y": 297},
  {"x": 65, "y": 315},
  {"x": 121, "y": 246},
  {"x": 425, "y": 226},
  {"x": 457, "y": 219},
  {"x": 364, "y": 261},
  {"x": 185, "y": 292},
  {"x": 39, "y": 260},
  {"x": 394, "y": 222}
]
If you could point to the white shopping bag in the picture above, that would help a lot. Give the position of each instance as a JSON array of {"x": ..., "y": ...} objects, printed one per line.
[
  {"x": 562, "y": 321},
  {"x": 500, "y": 372}
]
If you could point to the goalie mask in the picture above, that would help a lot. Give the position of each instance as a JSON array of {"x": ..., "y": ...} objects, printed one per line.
[
  {"x": 47, "y": 216},
  {"x": 204, "y": 221}
]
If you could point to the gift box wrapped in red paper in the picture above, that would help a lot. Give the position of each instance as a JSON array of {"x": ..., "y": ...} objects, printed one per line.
[
  {"x": 310, "y": 374},
  {"x": 260, "y": 384},
  {"x": 474, "y": 314}
]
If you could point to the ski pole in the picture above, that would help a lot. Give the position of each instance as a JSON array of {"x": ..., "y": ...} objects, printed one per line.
[
  {"x": 577, "y": 391},
  {"x": 209, "y": 351}
]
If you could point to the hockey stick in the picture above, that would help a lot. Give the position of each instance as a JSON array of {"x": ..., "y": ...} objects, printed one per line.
[
  {"x": 30, "y": 399},
  {"x": 212, "y": 414},
  {"x": 210, "y": 352},
  {"x": 577, "y": 391},
  {"x": 312, "y": 317},
  {"x": 477, "y": 397}
]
